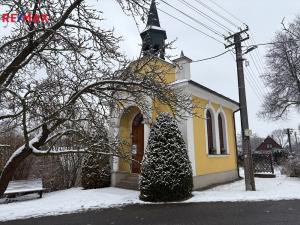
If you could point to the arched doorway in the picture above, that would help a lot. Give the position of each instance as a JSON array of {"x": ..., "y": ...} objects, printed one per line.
[{"x": 137, "y": 136}]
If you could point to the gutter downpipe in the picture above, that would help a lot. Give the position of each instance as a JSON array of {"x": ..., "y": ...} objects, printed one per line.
[{"x": 235, "y": 141}]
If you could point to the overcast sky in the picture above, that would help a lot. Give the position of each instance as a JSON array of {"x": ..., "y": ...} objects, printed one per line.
[{"x": 263, "y": 18}]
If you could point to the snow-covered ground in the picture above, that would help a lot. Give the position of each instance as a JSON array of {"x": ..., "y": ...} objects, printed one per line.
[
  {"x": 66, "y": 201},
  {"x": 279, "y": 188},
  {"x": 76, "y": 199}
]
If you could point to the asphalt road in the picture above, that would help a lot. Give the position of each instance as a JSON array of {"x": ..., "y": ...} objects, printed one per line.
[{"x": 245, "y": 213}]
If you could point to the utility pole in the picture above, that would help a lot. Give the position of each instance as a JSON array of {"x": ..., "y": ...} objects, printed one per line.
[
  {"x": 296, "y": 138},
  {"x": 288, "y": 132},
  {"x": 248, "y": 163}
]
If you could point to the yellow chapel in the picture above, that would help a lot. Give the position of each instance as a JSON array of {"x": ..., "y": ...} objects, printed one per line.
[{"x": 209, "y": 134}]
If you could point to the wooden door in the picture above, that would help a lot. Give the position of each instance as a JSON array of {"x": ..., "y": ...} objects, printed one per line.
[{"x": 137, "y": 142}]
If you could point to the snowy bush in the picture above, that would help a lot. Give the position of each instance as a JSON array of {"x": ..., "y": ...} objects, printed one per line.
[
  {"x": 166, "y": 173},
  {"x": 291, "y": 167},
  {"x": 96, "y": 170},
  {"x": 280, "y": 155}
]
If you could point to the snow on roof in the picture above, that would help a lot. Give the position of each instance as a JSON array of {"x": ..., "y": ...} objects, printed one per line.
[
  {"x": 206, "y": 89},
  {"x": 179, "y": 81},
  {"x": 153, "y": 27}
]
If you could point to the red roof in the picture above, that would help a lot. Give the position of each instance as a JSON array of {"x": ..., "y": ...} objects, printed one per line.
[{"x": 268, "y": 144}]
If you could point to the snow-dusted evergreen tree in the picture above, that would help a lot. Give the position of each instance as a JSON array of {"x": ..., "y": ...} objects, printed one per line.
[
  {"x": 166, "y": 173},
  {"x": 96, "y": 170}
]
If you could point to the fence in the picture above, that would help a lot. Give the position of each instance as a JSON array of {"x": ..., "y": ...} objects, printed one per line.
[{"x": 263, "y": 163}]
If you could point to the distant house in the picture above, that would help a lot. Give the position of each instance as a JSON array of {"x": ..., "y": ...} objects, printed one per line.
[{"x": 269, "y": 144}]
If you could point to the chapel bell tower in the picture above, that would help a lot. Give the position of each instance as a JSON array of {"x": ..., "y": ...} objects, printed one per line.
[{"x": 153, "y": 37}]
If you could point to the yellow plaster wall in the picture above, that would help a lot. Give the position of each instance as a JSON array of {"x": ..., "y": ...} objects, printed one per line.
[
  {"x": 164, "y": 71},
  {"x": 158, "y": 107},
  {"x": 168, "y": 75},
  {"x": 211, "y": 164},
  {"x": 125, "y": 135}
]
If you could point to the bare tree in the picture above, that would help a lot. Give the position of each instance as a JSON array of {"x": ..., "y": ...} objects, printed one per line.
[
  {"x": 280, "y": 137},
  {"x": 62, "y": 79},
  {"x": 255, "y": 140},
  {"x": 283, "y": 73}
]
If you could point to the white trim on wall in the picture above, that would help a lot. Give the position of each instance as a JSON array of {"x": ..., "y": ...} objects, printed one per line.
[
  {"x": 190, "y": 143},
  {"x": 216, "y": 134},
  {"x": 204, "y": 94},
  {"x": 115, "y": 130}
]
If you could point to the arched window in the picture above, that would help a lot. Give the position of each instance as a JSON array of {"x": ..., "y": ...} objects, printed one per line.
[
  {"x": 222, "y": 134},
  {"x": 210, "y": 134}
]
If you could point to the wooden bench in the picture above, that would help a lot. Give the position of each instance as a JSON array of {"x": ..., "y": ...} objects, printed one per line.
[{"x": 22, "y": 187}]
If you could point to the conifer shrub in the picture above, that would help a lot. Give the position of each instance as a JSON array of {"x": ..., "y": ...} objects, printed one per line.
[
  {"x": 166, "y": 173},
  {"x": 96, "y": 170}
]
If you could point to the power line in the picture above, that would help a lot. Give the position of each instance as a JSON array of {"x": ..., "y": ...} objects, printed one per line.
[
  {"x": 200, "y": 31},
  {"x": 250, "y": 83},
  {"x": 257, "y": 52},
  {"x": 258, "y": 92},
  {"x": 215, "y": 12},
  {"x": 192, "y": 18},
  {"x": 259, "y": 72},
  {"x": 229, "y": 13},
  {"x": 254, "y": 90},
  {"x": 252, "y": 43},
  {"x": 213, "y": 57},
  {"x": 214, "y": 21},
  {"x": 256, "y": 67},
  {"x": 257, "y": 63},
  {"x": 257, "y": 82},
  {"x": 252, "y": 76},
  {"x": 255, "y": 79}
]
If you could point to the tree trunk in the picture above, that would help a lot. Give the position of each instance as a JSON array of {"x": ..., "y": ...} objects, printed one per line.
[
  {"x": 9, "y": 170},
  {"x": 18, "y": 157}
]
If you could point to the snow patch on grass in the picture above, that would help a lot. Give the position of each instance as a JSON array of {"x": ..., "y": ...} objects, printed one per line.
[
  {"x": 67, "y": 201},
  {"x": 279, "y": 188}
]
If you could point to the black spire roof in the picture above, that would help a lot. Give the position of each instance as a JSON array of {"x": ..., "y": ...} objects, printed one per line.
[
  {"x": 153, "y": 36},
  {"x": 153, "y": 19}
]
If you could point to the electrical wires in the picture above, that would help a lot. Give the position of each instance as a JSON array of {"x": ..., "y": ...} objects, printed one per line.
[
  {"x": 194, "y": 19},
  {"x": 210, "y": 19},
  {"x": 212, "y": 57},
  {"x": 187, "y": 24}
]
